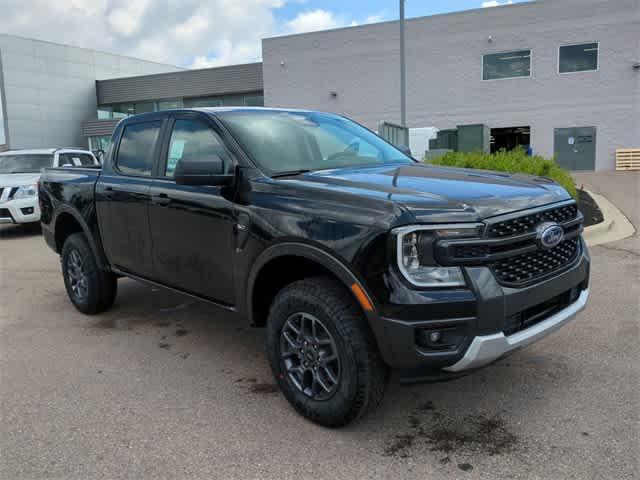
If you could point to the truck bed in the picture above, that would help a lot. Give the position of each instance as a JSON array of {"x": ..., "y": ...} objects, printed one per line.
[{"x": 67, "y": 191}]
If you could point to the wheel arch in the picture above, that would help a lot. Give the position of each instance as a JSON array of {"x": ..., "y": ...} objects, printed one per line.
[
  {"x": 68, "y": 222},
  {"x": 309, "y": 260}
]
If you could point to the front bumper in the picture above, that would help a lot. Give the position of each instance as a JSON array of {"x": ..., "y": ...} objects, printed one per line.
[
  {"x": 481, "y": 317},
  {"x": 23, "y": 210},
  {"x": 485, "y": 349}
]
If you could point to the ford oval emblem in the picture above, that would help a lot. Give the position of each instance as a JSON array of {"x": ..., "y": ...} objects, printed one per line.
[{"x": 549, "y": 234}]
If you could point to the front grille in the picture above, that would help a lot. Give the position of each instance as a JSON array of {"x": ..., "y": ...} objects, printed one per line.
[
  {"x": 4, "y": 213},
  {"x": 528, "y": 223},
  {"x": 511, "y": 249},
  {"x": 532, "y": 266}
]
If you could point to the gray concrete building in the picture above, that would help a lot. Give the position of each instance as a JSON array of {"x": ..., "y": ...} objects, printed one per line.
[
  {"x": 47, "y": 90},
  {"x": 560, "y": 75}
]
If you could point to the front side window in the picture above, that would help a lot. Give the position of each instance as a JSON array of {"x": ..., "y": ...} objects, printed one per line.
[
  {"x": 578, "y": 58},
  {"x": 135, "y": 154},
  {"x": 514, "y": 64},
  {"x": 25, "y": 163},
  {"x": 281, "y": 141},
  {"x": 194, "y": 140}
]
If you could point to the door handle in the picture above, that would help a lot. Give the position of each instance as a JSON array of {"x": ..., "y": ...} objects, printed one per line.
[{"x": 161, "y": 199}]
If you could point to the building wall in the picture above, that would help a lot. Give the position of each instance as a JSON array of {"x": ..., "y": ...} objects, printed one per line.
[
  {"x": 444, "y": 71},
  {"x": 50, "y": 89},
  {"x": 232, "y": 79}
]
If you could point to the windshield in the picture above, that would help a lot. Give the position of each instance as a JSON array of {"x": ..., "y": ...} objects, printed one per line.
[
  {"x": 282, "y": 142},
  {"x": 24, "y": 163}
]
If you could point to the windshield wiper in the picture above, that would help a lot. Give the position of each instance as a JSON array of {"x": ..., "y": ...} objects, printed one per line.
[{"x": 290, "y": 173}]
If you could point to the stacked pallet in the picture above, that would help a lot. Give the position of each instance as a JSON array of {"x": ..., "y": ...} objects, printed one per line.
[{"x": 628, "y": 159}]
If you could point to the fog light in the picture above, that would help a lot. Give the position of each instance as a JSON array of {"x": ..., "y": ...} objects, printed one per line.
[
  {"x": 435, "y": 337},
  {"x": 444, "y": 338},
  {"x": 27, "y": 211}
]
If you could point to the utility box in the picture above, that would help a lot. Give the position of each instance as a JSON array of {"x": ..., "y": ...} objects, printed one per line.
[
  {"x": 474, "y": 138},
  {"x": 446, "y": 139},
  {"x": 395, "y": 134}
]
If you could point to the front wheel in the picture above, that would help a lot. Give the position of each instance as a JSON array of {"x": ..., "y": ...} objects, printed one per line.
[
  {"x": 323, "y": 354},
  {"x": 90, "y": 289}
]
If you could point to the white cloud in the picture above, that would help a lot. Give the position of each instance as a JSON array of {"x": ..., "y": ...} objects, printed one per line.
[
  {"x": 496, "y": 3},
  {"x": 314, "y": 20},
  {"x": 197, "y": 33}
]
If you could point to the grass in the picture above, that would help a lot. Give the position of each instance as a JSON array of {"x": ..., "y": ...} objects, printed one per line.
[{"x": 513, "y": 161}]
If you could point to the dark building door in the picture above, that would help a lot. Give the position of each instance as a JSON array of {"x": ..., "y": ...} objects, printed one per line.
[{"x": 575, "y": 148}]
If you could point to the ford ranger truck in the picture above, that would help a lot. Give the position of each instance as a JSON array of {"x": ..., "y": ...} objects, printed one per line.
[{"x": 357, "y": 259}]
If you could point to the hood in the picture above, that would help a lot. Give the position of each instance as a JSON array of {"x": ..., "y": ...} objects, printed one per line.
[
  {"x": 18, "y": 179},
  {"x": 434, "y": 194}
]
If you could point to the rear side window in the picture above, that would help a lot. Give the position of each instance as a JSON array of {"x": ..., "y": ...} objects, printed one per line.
[
  {"x": 135, "y": 154},
  {"x": 76, "y": 159}
]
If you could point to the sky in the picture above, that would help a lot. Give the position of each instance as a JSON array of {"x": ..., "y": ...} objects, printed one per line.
[{"x": 200, "y": 33}]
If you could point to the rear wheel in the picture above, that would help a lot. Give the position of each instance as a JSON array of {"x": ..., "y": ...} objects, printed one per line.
[
  {"x": 90, "y": 289},
  {"x": 323, "y": 354}
]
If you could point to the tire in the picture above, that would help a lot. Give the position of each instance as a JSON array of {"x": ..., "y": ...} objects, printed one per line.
[
  {"x": 360, "y": 374},
  {"x": 90, "y": 289}
]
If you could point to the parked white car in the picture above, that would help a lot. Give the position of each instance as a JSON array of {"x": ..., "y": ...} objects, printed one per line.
[{"x": 19, "y": 174}]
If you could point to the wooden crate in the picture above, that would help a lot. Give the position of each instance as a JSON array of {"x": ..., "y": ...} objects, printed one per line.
[{"x": 628, "y": 159}]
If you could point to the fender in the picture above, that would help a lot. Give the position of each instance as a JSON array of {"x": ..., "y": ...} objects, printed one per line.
[
  {"x": 92, "y": 237},
  {"x": 330, "y": 262}
]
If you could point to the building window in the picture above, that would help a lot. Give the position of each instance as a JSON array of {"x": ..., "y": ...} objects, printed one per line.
[
  {"x": 144, "y": 107},
  {"x": 203, "y": 102},
  {"x": 578, "y": 58},
  {"x": 105, "y": 113},
  {"x": 170, "y": 104},
  {"x": 254, "y": 101},
  {"x": 514, "y": 64}
]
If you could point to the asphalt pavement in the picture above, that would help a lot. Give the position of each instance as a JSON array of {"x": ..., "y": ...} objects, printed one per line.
[{"x": 163, "y": 386}]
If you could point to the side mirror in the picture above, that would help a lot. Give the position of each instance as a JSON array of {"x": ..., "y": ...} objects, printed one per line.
[
  {"x": 206, "y": 171},
  {"x": 404, "y": 149}
]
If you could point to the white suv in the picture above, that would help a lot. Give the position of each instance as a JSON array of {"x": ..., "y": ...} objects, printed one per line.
[{"x": 19, "y": 174}]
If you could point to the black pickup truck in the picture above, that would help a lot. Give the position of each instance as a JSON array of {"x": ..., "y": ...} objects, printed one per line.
[{"x": 356, "y": 258}]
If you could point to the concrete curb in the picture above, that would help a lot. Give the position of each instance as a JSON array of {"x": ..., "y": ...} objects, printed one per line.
[{"x": 614, "y": 227}]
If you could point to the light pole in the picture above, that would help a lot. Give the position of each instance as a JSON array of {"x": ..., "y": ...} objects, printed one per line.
[{"x": 403, "y": 72}]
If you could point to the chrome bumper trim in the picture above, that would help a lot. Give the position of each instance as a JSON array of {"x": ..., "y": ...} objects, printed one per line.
[{"x": 485, "y": 349}]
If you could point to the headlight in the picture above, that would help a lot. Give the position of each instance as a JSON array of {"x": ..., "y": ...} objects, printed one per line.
[
  {"x": 26, "y": 191},
  {"x": 416, "y": 258}
]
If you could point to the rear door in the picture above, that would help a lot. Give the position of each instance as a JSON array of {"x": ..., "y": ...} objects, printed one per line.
[
  {"x": 123, "y": 194},
  {"x": 192, "y": 226}
]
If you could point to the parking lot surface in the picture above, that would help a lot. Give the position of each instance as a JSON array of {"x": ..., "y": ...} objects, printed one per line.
[{"x": 163, "y": 386}]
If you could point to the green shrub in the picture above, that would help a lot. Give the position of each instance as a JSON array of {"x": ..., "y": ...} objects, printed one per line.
[{"x": 513, "y": 161}]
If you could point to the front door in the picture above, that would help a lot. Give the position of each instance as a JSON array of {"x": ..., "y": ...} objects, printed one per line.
[
  {"x": 575, "y": 148},
  {"x": 191, "y": 226},
  {"x": 122, "y": 198}
]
